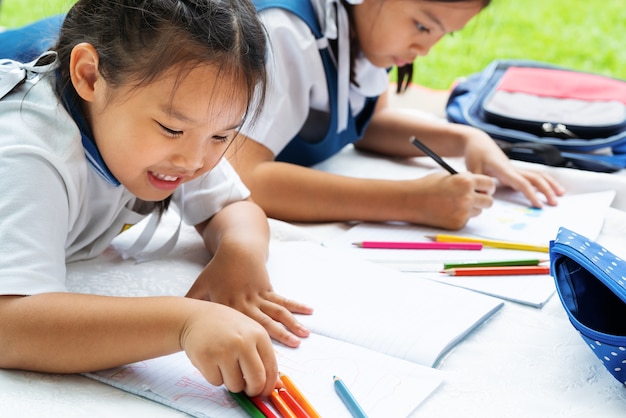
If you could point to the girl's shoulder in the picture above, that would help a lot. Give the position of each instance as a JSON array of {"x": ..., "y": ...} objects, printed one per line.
[
  {"x": 281, "y": 24},
  {"x": 31, "y": 113}
]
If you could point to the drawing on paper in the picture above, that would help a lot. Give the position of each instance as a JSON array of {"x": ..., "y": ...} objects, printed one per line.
[{"x": 204, "y": 391}]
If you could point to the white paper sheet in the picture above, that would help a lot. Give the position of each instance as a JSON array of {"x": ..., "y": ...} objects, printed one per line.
[{"x": 383, "y": 385}]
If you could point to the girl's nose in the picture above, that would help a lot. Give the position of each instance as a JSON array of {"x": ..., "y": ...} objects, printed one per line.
[
  {"x": 421, "y": 49},
  {"x": 190, "y": 156}
]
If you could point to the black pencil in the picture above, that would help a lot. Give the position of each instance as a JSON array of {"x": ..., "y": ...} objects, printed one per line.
[{"x": 432, "y": 155}]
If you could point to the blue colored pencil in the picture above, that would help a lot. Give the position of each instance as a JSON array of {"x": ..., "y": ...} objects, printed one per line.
[{"x": 348, "y": 399}]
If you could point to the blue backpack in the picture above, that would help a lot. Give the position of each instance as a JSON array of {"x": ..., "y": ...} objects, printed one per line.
[
  {"x": 543, "y": 113},
  {"x": 26, "y": 43}
]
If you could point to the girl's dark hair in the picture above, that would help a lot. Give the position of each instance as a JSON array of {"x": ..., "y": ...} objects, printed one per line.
[
  {"x": 139, "y": 40},
  {"x": 404, "y": 73}
]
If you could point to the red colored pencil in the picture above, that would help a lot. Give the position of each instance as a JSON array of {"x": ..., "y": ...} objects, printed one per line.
[
  {"x": 258, "y": 402},
  {"x": 281, "y": 405},
  {"x": 295, "y": 407},
  {"x": 418, "y": 245},
  {"x": 497, "y": 271}
]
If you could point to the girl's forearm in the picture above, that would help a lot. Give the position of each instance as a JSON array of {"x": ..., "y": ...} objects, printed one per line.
[
  {"x": 299, "y": 194},
  {"x": 390, "y": 130},
  {"x": 71, "y": 333},
  {"x": 239, "y": 228}
]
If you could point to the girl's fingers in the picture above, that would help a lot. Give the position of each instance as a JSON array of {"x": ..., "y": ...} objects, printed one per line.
[
  {"x": 285, "y": 333},
  {"x": 291, "y": 305},
  {"x": 281, "y": 310},
  {"x": 212, "y": 373}
]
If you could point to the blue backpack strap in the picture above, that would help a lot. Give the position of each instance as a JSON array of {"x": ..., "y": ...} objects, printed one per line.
[
  {"x": 301, "y": 8},
  {"x": 26, "y": 43},
  {"x": 302, "y": 152}
]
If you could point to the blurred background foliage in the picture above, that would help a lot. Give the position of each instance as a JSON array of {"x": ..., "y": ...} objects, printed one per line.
[{"x": 584, "y": 35}]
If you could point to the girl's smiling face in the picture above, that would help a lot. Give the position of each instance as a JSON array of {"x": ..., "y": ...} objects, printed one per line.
[
  {"x": 395, "y": 32},
  {"x": 157, "y": 136}
]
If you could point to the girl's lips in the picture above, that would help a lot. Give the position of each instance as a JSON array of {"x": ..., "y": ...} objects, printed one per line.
[
  {"x": 400, "y": 62},
  {"x": 164, "y": 181}
]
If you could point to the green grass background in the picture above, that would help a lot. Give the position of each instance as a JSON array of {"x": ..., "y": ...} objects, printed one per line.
[{"x": 580, "y": 34}]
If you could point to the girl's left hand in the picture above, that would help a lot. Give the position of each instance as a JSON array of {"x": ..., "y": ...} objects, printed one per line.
[
  {"x": 244, "y": 285},
  {"x": 483, "y": 156}
]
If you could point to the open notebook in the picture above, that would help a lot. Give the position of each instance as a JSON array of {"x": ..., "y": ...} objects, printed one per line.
[
  {"x": 506, "y": 220},
  {"x": 385, "y": 386},
  {"x": 378, "y": 329}
]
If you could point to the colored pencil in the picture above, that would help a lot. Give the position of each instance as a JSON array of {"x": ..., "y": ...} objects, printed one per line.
[
  {"x": 432, "y": 154},
  {"x": 298, "y": 395},
  {"x": 281, "y": 405},
  {"x": 406, "y": 245},
  {"x": 494, "y": 263},
  {"x": 497, "y": 271},
  {"x": 265, "y": 410},
  {"x": 247, "y": 405},
  {"x": 348, "y": 399},
  {"x": 490, "y": 243},
  {"x": 295, "y": 407}
]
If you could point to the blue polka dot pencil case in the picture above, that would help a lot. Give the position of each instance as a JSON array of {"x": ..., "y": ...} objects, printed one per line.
[{"x": 591, "y": 283}]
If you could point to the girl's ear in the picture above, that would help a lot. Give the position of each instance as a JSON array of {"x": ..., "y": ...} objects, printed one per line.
[{"x": 84, "y": 71}]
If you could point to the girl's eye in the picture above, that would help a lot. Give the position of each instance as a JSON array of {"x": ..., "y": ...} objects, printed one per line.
[
  {"x": 422, "y": 28},
  {"x": 221, "y": 138},
  {"x": 170, "y": 132}
]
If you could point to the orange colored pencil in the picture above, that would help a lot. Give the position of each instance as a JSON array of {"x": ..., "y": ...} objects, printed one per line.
[
  {"x": 298, "y": 396},
  {"x": 497, "y": 271},
  {"x": 281, "y": 405}
]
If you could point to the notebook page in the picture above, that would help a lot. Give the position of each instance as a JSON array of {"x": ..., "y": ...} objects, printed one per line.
[
  {"x": 508, "y": 219},
  {"x": 511, "y": 219},
  {"x": 373, "y": 306},
  {"x": 385, "y": 386},
  {"x": 414, "y": 260},
  {"x": 532, "y": 290},
  {"x": 398, "y": 312}
]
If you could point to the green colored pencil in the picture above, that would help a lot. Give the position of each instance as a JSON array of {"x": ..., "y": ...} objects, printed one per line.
[
  {"x": 247, "y": 405},
  {"x": 494, "y": 263}
]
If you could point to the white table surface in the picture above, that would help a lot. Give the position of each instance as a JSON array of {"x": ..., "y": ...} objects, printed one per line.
[{"x": 523, "y": 362}]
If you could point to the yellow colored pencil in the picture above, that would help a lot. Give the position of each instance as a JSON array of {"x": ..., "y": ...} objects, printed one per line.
[{"x": 490, "y": 243}]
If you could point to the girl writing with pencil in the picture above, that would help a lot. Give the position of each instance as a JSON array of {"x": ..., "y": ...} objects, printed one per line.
[
  {"x": 328, "y": 83},
  {"x": 131, "y": 112}
]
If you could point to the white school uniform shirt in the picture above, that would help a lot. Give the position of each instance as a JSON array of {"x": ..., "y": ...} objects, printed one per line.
[
  {"x": 296, "y": 77},
  {"x": 55, "y": 208}
]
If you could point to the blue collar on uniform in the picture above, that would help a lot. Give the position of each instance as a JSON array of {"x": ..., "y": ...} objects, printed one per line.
[{"x": 89, "y": 145}]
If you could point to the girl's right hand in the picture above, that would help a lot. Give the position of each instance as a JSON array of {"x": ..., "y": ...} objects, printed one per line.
[
  {"x": 229, "y": 348},
  {"x": 448, "y": 201}
]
